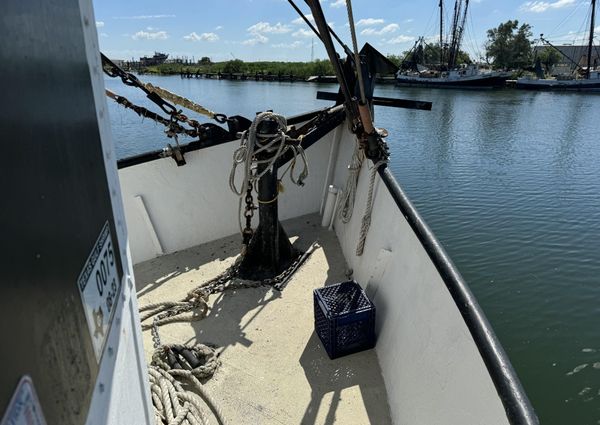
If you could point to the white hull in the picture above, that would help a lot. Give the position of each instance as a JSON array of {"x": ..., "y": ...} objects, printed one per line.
[
  {"x": 468, "y": 78},
  {"x": 432, "y": 367},
  {"x": 585, "y": 85}
]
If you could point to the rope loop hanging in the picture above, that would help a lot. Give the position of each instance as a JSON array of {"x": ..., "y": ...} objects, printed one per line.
[{"x": 270, "y": 147}]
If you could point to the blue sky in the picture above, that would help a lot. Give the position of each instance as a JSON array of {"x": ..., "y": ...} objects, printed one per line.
[{"x": 270, "y": 29}]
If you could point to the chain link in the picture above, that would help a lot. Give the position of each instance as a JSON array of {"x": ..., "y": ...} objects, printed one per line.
[
  {"x": 113, "y": 70},
  {"x": 225, "y": 281},
  {"x": 247, "y": 232}
]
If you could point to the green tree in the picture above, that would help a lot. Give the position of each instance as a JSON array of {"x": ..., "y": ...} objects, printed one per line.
[
  {"x": 205, "y": 61},
  {"x": 396, "y": 59},
  {"x": 233, "y": 66},
  {"x": 549, "y": 57},
  {"x": 509, "y": 45},
  {"x": 429, "y": 55}
]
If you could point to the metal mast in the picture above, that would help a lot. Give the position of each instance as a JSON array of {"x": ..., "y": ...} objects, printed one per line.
[
  {"x": 592, "y": 23},
  {"x": 441, "y": 34}
]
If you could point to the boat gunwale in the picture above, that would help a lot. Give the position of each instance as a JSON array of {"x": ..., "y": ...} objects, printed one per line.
[
  {"x": 154, "y": 155},
  {"x": 517, "y": 406}
]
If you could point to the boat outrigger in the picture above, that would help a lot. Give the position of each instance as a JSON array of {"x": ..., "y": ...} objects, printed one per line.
[
  {"x": 448, "y": 73},
  {"x": 228, "y": 332},
  {"x": 583, "y": 79}
]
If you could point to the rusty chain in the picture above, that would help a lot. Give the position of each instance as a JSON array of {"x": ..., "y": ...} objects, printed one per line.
[
  {"x": 225, "y": 281},
  {"x": 113, "y": 70},
  {"x": 247, "y": 232}
]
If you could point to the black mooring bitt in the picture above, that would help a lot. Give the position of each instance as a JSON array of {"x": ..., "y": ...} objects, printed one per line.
[{"x": 270, "y": 251}]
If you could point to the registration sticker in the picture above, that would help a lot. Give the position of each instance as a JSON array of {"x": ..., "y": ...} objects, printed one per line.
[
  {"x": 24, "y": 407},
  {"x": 100, "y": 286}
]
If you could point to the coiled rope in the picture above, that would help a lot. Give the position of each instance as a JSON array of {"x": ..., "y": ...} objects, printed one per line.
[
  {"x": 174, "y": 405},
  {"x": 251, "y": 144}
]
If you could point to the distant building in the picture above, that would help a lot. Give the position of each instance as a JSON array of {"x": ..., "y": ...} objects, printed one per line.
[
  {"x": 578, "y": 54},
  {"x": 157, "y": 59}
]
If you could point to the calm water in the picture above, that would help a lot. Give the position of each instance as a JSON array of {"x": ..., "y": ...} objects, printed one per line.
[{"x": 510, "y": 183}]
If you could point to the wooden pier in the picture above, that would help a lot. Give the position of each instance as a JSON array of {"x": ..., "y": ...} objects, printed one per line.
[{"x": 259, "y": 76}]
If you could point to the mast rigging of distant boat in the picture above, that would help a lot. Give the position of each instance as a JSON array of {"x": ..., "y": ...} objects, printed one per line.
[
  {"x": 450, "y": 75},
  {"x": 590, "y": 80}
]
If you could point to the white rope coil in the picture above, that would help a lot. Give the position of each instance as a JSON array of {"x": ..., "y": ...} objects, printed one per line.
[{"x": 250, "y": 146}]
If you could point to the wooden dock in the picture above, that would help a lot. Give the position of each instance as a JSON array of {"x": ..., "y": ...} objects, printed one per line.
[{"x": 259, "y": 76}]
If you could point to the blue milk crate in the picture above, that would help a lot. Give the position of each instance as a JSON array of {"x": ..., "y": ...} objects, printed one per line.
[{"x": 344, "y": 318}]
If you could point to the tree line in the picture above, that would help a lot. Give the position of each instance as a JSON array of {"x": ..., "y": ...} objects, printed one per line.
[
  {"x": 235, "y": 66},
  {"x": 508, "y": 46}
]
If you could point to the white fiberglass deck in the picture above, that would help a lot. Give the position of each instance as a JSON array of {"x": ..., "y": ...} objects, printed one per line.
[{"x": 274, "y": 369}]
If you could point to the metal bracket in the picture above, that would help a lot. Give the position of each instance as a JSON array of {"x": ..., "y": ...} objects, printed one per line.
[{"x": 175, "y": 153}]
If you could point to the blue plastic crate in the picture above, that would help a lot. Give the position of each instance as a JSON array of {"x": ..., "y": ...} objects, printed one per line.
[{"x": 344, "y": 318}]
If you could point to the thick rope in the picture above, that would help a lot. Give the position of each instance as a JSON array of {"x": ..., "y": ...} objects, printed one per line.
[
  {"x": 179, "y": 100},
  {"x": 171, "y": 401},
  {"x": 366, "y": 220},
  {"x": 250, "y": 146},
  {"x": 347, "y": 197}
]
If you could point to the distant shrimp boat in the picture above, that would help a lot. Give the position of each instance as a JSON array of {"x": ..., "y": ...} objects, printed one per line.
[
  {"x": 447, "y": 72},
  {"x": 470, "y": 77},
  {"x": 322, "y": 79},
  {"x": 588, "y": 79}
]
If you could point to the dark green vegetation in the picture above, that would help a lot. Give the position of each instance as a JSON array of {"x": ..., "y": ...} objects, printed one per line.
[
  {"x": 429, "y": 54},
  {"x": 549, "y": 57},
  {"x": 299, "y": 69},
  {"x": 509, "y": 46}
]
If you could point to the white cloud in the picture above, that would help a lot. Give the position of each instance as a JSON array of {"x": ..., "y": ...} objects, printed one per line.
[
  {"x": 146, "y": 35},
  {"x": 265, "y": 27},
  {"x": 99, "y": 24},
  {"x": 400, "y": 39},
  {"x": 338, "y": 3},
  {"x": 218, "y": 27},
  {"x": 300, "y": 21},
  {"x": 205, "y": 36},
  {"x": 369, "y": 21},
  {"x": 542, "y": 6},
  {"x": 303, "y": 32},
  {"x": 390, "y": 28},
  {"x": 293, "y": 45},
  {"x": 256, "y": 39}
]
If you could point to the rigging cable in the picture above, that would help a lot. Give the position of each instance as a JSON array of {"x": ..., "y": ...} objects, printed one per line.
[{"x": 312, "y": 27}]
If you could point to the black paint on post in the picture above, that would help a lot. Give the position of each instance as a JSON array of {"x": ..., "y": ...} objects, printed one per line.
[{"x": 270, "y": 251}]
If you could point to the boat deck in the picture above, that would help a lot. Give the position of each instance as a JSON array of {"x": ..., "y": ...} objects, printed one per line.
[{"x": 274, "y": 369}]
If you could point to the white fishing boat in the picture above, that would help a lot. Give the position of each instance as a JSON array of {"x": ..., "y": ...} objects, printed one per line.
[
  {"x": 468, "y": 77},
  {"x": 229, "y": 330},
  {"x": 582, "y": 79},
  {"x": 447, "y": 73}
]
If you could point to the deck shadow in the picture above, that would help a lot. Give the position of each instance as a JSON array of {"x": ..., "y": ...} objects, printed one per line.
[{"x": 334, "y": 376}]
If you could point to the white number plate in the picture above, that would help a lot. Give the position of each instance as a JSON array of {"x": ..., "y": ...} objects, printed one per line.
[
  {"x": 24, "y": 407},
  {"x": 100, "y": 286}
]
